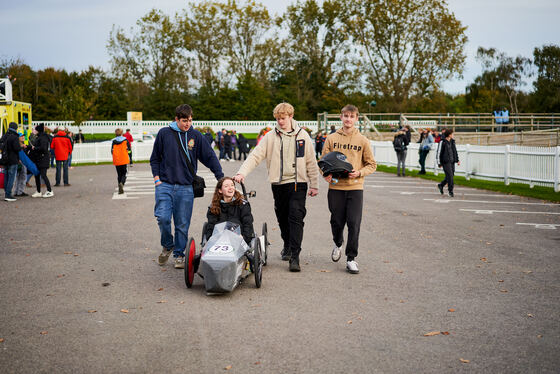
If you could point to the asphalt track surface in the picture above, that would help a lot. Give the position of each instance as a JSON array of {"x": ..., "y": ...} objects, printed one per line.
[{"x": 81, "y": 291}]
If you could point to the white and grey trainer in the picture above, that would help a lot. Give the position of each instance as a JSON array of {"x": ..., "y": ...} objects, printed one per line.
[
  {"x": 352, "y": 267},
  {"x": 180, "y": 263},
  {"x": 336, "y": 253}
]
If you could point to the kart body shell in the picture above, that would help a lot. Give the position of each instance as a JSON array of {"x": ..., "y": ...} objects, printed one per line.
[{"x": 223, "y": 261}]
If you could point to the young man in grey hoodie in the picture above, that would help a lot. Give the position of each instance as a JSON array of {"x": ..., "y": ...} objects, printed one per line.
[{"x": 292, "y": 169}]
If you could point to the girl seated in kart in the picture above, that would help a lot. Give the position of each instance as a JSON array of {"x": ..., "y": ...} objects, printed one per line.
[{"x": 229, "y": 205}]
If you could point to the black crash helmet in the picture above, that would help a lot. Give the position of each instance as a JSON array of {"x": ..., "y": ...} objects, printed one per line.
[{"x": 335, "y": 164}]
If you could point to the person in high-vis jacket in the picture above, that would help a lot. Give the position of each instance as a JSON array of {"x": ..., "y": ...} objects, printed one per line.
[
  {"x": 292, "y": 168},
  {"x": 120, "y": 148}
]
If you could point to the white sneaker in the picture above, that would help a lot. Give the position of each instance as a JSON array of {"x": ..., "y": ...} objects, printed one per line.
[
  {"x": 164, "y": 256},
  {"x": 180, "y": 263},
  {"x": 10, "y": 199},
  {"x": 336, "y": 253},
  {"x": 37, "y": 194},
  {"x": 48, "y": 194},
  {"x": 352, "y": 267}
]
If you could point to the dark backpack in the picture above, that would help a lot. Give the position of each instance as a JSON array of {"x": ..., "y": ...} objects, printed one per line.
[
  {"x": 4, "y": 149},
  {"x": 398, "y": 144}
]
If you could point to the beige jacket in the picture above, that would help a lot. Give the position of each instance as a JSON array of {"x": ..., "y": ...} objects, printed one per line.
[
  {"x": 270, "y": 148},
  {"x": 358, "y": 152}
]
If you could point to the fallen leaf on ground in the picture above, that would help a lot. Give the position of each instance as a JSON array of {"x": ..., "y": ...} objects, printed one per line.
[
  {"x": 1, "y": 340},
  {"x": 162, "y": 301},
  {"x": 488, "y": 243},
  {"x": 92, "y": 311},
  {"x": 400, "y": 271},
  {"x": 483, "y": 259},
  {"x": 402, "y": 301},
  {"x": 501, "y": 281},
  {"x": 27, "y": 254},
  {"x": 530, "y": 315},
  {"x": 163, "y": 269},
  {"x": 160, "y": 289},
  {"x": 527, "y": 271},
  {"x": 124, "y": 310},
  {"x": 105, "y": 284},
  {"x": 504, "y": 291},
  {"x": 451, "y": 310},
  {"x": 349, "y": 322},
  {"x": 386, "y": 262},
  {"x": 228, "y": 367},
  {"x": 44, "y": 332},
  {"x": 464, "y": 361},
  {"x": 60, "y": 275},
  {"x": 432, "y": 333},
  {"x": 323, "y": 271},
  {"x": 67, "y": 253},
  {"x": 181, "y": 302},
  {"x": 257, "y": 363},
  {"x": 76, "y": 255},
  {"x": 539, "y": 336},
  {"x": 445, "y": 333}
]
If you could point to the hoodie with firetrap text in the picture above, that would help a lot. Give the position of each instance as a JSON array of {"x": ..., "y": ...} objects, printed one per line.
[{"x": 358, "y": 152}]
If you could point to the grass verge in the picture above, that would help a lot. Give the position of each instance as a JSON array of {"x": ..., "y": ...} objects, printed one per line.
[{"x": 520, "y": 189}]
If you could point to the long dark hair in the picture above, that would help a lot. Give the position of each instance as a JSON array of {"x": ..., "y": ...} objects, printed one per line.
[{"x": 215, "y": 207}]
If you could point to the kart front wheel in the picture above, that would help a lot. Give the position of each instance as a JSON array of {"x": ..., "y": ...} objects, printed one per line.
[
  {"x": 189, "y": 265},
  {"x": 257, "y": 263}
]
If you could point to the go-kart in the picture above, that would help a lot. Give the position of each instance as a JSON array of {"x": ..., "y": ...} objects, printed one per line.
[{"x": 226, "y": 259}]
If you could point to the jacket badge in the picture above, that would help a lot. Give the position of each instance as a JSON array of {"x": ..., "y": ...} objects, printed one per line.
[{"x": 190, "y": 144}]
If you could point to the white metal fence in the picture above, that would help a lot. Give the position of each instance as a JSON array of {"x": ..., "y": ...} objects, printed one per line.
[
  {"x": 107, "y": 127},
  {"x": 531, "y": 165}
]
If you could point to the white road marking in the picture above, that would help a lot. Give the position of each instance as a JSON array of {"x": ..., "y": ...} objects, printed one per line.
[
  {"x": 124, "y": 196},
  {"x": 463, "y": 194},
  {"x": 433, "y": 187},
  {"x": 492, "y": 202},
  {"x": 542, "y": 226},
  {"x": 483, "y": 211}
]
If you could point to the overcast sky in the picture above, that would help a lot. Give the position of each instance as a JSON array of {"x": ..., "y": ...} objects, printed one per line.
[{"x": 72, "y": 34}]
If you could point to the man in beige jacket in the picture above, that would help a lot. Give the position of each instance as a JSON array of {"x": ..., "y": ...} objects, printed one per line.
[{"x": 292, "y": 168}]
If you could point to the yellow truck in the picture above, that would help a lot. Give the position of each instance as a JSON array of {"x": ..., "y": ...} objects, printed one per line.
[{"x": 13, "y": 111}]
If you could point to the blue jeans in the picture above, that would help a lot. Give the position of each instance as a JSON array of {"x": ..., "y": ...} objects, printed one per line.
[
  {"x": 64, "y": 164},
  {"x": 9, "y": 178},
  {"x": 174, "y": 200}
]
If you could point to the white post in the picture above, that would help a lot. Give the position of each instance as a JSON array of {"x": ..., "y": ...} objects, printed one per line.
[
  {"x": 467, "y": 163},
  {"x": 506, "y": 165},
  {"x": 96, "y": 152},
  {"x": 556, "y": 171}
]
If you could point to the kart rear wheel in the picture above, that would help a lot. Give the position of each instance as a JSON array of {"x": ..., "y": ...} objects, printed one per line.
[
  {"x": 189, "y": 265},
  {"x": 257, "y": 263},
  {"x": 266, "y": 243}
]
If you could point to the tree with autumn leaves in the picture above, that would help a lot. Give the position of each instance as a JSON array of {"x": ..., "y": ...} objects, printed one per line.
[{"x": 234, "y": 60}]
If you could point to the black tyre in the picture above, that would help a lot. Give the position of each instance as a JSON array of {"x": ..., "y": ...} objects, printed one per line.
[
  {"x": 258, "y": 263},
  {"x": 189, "y": 263},
  {"x": 266, "y": 243},
  {"x": 203, "y": 239}
]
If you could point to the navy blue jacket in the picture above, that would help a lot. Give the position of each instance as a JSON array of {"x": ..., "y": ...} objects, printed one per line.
[{"x": 168, "y": 160}]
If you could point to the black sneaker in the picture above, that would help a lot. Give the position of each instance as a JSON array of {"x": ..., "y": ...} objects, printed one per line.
[
  {"x": 294, "y": 265},
  {"x": 285, "y": 254},
  {"x": 440, "y": 188},
  {"x": 451, "y": 194}
]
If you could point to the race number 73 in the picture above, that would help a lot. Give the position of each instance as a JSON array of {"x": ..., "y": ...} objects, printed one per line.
[{"x": 221, "y": 248}]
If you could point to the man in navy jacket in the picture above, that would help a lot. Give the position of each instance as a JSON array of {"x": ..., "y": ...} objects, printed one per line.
[{"x": 172, "y": 177}]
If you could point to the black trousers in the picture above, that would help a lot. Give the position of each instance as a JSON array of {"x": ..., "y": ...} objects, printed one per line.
[
  {"x": 121, "y": 173},
  {"x": 449, "y": 170},
  {"x": 42, "y": 174},
  {"x": 289, "y": 206},
  {"x": 346, "y": 209}
]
